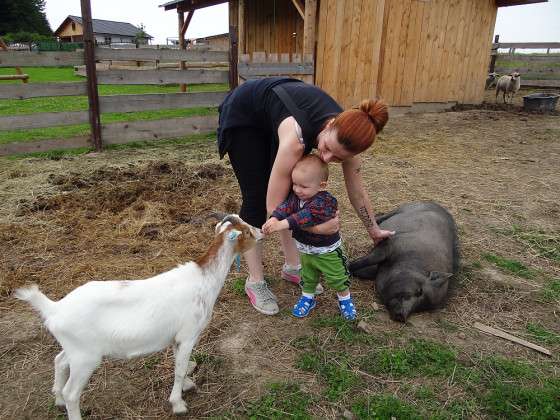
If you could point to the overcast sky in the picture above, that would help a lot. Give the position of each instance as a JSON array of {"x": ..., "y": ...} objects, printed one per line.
[{"x": 531, "y": 23}]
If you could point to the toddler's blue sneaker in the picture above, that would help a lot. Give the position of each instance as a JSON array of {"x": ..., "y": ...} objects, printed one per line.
[
  {"x": 303, "y": 307},
  {"x": 347, "y": 309}
]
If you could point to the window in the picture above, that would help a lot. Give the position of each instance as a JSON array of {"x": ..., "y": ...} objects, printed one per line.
[{"x": 73, "y": 26}]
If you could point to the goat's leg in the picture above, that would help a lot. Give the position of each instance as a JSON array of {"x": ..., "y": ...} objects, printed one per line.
[
  {"x": 61, "y": 372},
  {"x": 80, "y": 371},
  {"x": 188, "y": 384},
  {"x": 182, "y": 354}
]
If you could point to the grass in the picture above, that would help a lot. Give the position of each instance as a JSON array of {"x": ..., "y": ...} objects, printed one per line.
[
  {"x": 510, "y": 266},
  {"x": 513, "y": 402},
  {"x": 551, "y": 291},
  {"x": 541, "y": 334},
  {"x": 334, "y": 370},
  {"x": 541, "y": 243},
  {"x": 282, "y": 400},
  {"x": 420, "y": 357},
  {"x": 384, "y": 407}
]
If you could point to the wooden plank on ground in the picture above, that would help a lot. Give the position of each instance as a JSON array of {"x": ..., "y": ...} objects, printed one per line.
[
  {"x": 41, "y": 59},
  {"x": 161, "y": 77},
  {"x": 118, "y": 133},
  {"x": 34, "y": 90},
  {"x": 42, "y": 119},
  {"x": 44, "y": 145},
  {"x": 155, "y": 101},
  {"x": 150, "y": 54},
  {"x": 506, "y": 336}
]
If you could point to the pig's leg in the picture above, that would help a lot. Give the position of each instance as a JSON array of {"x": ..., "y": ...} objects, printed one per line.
[{"x": 375, "y": 257}]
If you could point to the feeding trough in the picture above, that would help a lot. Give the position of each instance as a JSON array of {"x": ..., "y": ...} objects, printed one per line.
[{"x": 542, "y": 102}]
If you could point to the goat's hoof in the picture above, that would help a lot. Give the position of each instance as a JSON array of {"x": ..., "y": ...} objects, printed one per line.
[
  {"x": 179, "y": 408},
  {"x": 59, "y": 402}
]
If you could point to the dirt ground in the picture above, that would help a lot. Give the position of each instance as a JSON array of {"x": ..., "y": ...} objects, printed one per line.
[{"x": 130, "y": 214}]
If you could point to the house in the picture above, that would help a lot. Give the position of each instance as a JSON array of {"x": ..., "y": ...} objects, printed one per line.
[
  {"x": 406, "y": 51},
  {"x": 104, "y": 31},
  {"x": 218, "y": 42}
]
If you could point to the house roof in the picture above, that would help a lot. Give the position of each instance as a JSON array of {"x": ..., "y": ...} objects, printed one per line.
[{"x": 107, "y": 27}]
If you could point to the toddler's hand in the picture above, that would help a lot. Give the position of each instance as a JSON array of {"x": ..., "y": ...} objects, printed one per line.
[{"x": 268, "y": 227}]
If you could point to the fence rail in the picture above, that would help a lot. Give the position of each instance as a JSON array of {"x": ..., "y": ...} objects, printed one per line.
[{"x": 260, "y": 64}]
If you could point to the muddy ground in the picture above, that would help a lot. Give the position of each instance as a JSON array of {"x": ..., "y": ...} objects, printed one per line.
[{"x": 130, "y": 214}]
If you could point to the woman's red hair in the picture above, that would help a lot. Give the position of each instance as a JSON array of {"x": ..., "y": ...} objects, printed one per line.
[{"x": 356, "y": 128}]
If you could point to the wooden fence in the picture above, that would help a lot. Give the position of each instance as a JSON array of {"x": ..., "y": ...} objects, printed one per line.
[
  {"x": 116, "y": 132},
  {"x": 261, "y": 64},
  {"x": 537, "y": 70}
]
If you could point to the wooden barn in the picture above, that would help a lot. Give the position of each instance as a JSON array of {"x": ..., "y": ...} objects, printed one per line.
[
  {"x": 104, "y": 31},
  {"x": 409, "y": 52}
]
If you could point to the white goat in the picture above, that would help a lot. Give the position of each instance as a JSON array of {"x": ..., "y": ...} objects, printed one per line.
[
  {"x": 491, "y": 80},
  {"x": 509, "y": 84},
  {"x": 126, "y": 319}
]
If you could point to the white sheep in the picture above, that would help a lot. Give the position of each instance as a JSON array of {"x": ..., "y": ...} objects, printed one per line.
[
  {"x": 126, "y": 319},
  {"x": 509, "y": 84},
  {"x": 491, "y": 80}
]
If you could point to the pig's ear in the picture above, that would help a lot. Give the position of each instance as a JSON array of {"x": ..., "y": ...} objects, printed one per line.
[{"x": 438, "y": 278}]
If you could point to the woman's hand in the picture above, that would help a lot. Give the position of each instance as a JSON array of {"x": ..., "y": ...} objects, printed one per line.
[
  {"x": 274, "y": 225},
  {"x": 330, "y": 227},
  {"x": 378, "y": 235}
]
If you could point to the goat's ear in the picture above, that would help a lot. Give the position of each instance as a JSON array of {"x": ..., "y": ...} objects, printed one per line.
[{"x": 233, "y": 234}]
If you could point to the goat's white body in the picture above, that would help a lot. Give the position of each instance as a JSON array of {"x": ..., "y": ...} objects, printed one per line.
[
  {"x": 131, "y": 318},
  {"x": 509, "y": 85},
  {"x": 127, "y": 319}
]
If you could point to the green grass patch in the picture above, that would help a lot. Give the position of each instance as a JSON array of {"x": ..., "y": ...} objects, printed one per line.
[
  {"x": 384, "y": 407},
  {"x": 44, "y": 74},
  {"x": 333, "y": 368},
  {"x": 514, "y": 402},
  {"x": 541, "y": 334},
  {"x": 510, "y": 266},
  {"x": 281, "y": 401},
  {"x": 498, "y": 369},
  {"x": 238, "y": 286},
  {"x": 420, "y": 357},
  {"x": 544, "y": 244},
  {"x": 344, "y": 330},
  {"x": 551, "y": 291}
]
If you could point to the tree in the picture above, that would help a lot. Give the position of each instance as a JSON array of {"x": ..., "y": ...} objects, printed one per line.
[
  {"x": 141, "y": 36},
  {"x": 24, "y": 16}
]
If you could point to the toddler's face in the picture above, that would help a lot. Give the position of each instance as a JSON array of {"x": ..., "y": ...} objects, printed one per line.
[{"x": 306, "y": 183}]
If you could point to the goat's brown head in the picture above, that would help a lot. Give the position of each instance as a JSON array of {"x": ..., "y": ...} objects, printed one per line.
[{"x": 235, "y": 229}]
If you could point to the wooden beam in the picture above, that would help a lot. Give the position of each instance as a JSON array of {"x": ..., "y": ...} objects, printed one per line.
[
  {"x": 233, "y": 43},
  {"x": 300, "y": 8},
  {"x": 310, "y": 28},
  {"x": 241, "y": 27},
  {"x": 19, "y": 76},
  {"x": 93, "y": 96}
]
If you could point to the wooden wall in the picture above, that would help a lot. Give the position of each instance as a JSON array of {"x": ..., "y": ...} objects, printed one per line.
[
  {"x": 269, "y": 27},
  {"x": 405, "y": 51}
]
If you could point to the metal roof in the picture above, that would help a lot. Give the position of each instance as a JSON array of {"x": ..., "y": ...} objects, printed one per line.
[
  {"x": 110, "y": 27},
  {"x": 190, "y": 4}
]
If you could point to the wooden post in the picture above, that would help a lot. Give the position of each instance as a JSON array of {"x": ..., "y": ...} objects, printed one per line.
[
  {"x": 234, "y": 29},
  {"x": 93, "y": 96},
  {"x": 494, "y": 55},
  {"x": 183, "y": 25},
  {"x": 309, "y": 33}
]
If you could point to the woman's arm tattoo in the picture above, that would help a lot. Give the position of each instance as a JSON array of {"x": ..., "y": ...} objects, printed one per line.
[{"x": 364, "y": 216}]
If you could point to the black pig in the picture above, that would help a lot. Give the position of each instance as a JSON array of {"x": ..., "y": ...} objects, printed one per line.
[{"x": 412, "y": 269}]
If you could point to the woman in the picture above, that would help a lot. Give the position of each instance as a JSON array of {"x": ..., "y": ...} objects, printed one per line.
[{"x": 266, "y": 126}]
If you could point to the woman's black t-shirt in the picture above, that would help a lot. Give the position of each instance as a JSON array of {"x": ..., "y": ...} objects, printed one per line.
[{"x": 255, "y": 104}]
